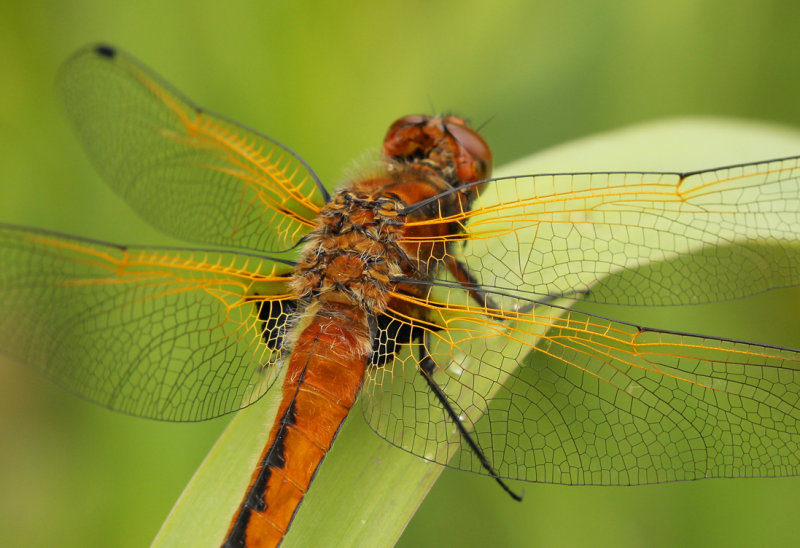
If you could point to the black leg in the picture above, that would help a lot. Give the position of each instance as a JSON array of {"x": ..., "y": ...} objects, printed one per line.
[
  {"x": 427, "y": 367},
  {"x": 465, "y": 278}
]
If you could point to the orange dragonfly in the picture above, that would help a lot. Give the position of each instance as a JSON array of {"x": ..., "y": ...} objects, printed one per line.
[{"x": 422, "y": 285}]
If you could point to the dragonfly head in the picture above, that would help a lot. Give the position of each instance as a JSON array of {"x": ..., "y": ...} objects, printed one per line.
[{"x": 445, "y": 144}]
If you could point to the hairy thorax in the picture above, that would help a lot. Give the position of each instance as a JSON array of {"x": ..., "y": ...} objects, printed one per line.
[{"x": 352, "y": 256}]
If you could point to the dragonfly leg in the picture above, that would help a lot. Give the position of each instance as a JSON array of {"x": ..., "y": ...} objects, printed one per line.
[
  {"x": 465, "y": 278},
  {"x": 470, "y": 283},
  {"x": 427, "y": 367}
]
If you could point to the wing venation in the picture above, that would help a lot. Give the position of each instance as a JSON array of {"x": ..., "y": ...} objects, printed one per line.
[
  {"x": 190, "y": 173},
  {"x": 634, "y": 238},
  {"x": 555, "y": 395},
  {"x": 163, "y": 333}
]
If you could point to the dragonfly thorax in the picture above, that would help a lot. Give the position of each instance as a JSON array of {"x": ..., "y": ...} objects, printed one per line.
[{"x": 352, "y": 256}]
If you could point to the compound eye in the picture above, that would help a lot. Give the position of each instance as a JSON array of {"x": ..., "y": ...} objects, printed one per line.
[{"x": 475, "y": 147}]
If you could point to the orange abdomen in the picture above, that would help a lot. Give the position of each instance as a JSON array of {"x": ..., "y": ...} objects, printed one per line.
[{"x": 323, "y": 377}]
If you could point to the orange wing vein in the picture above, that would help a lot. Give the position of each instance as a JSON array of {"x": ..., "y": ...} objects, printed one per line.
[
  {"x": 667, "y": 238},
  {"x": 188, "y": 172},
  {"x": 170, "y": 334},
  {"x": 556, "y": 395}
]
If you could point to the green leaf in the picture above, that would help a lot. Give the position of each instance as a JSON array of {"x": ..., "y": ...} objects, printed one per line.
[{"x": 366, "y": 490}]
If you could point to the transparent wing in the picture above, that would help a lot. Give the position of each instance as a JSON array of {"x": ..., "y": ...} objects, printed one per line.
[
  {"x": 559, "y": 396},
  {"x": 163, "y": 333},
  {"x": 188, "y": 172},
  {"x": 668, "y": 238},
  {"x": 556, "y": 395}
]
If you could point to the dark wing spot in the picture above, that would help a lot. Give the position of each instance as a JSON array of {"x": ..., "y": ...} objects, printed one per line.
[
  {"x": 390, "y": 334},
  {"x": 275, "y": 315},
  {"x": 105, "y": 51}
]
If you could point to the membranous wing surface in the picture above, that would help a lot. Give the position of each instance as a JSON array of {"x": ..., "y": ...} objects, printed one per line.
[
  {"x": 188, "y": 172},
  {"x": 548, "y": 393},
  {"x": 561, "y": 396},
  {"x": 171, "y": 334}
]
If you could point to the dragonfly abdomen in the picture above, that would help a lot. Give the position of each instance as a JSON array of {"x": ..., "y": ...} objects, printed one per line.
[
  {"x": 344, "y": 277},
  {"x": 323, "y": 377}
]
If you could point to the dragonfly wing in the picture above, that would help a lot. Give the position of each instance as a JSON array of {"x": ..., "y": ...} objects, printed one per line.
[
  {"x": 635, "y": 238},
  {"x": 163, "y": 333},
  {"x": 188, "y": 172},
  {"x": 560, "y": 396}
]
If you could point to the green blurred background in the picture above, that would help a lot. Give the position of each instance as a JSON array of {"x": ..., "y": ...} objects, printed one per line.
[{"x": 327, "y": 78}]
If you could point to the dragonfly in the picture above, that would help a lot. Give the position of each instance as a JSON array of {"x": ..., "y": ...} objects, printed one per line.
[{"x": 440, "y": 297}]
